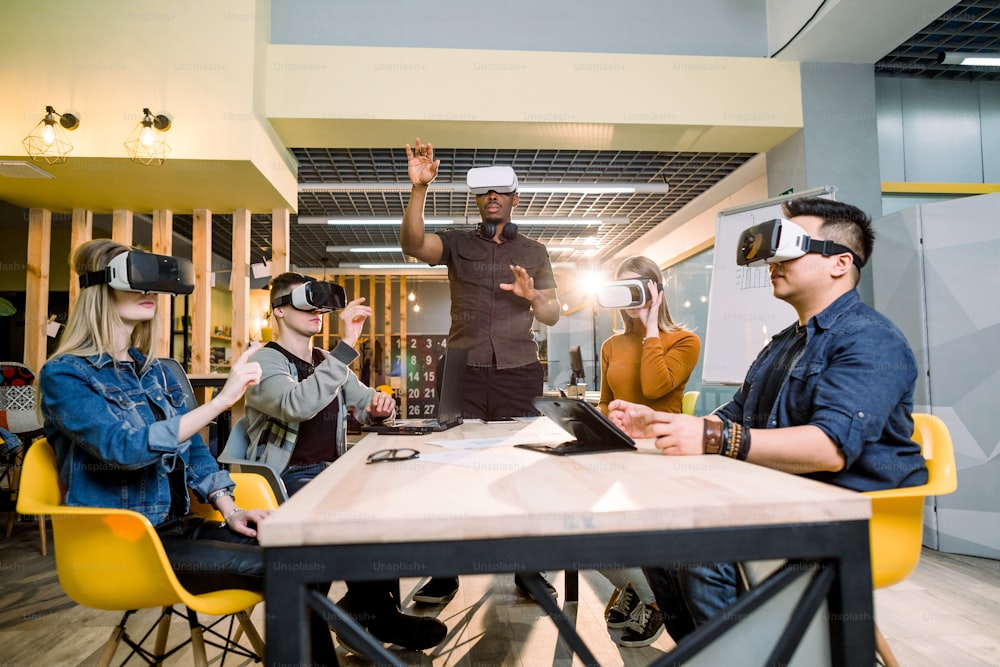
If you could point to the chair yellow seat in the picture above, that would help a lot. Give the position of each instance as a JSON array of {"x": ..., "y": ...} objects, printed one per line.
[
  {"x": 113, "y": 559},
  {"x": 896, "y": 528},
  {"x": 689, "y": 400}
]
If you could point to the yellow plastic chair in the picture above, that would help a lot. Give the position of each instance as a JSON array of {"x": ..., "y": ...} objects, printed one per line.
[
  {"x": 897, "y": 523},
  {"x": 112, "y": 559},
  {"x": 689, "y": 401}
]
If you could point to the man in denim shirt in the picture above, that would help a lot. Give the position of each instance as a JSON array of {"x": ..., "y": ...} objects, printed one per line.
[{"x": 830, "y": 398}]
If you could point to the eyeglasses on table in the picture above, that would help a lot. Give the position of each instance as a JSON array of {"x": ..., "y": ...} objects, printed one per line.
[{"x": 401, "y": 454}]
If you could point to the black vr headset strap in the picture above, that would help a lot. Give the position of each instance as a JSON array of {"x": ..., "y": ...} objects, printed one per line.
[
  {"x": 281, "y": 301},
  {"x": 827, "y": 248},
  {"x": 101, "y": 277}
]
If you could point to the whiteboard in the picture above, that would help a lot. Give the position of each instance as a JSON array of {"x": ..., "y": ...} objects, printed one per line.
[{"x": 743, "y": 314}]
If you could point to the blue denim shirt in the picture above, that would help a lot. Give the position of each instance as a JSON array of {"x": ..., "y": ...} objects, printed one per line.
[
  {"x": 855, "y": 381},
  {"x": 111, "y": 448}
]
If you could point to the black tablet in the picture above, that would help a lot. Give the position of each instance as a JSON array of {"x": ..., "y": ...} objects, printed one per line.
[{"x": 591, "y": 429}]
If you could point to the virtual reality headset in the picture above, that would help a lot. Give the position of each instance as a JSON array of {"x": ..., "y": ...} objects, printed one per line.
[
  {"x": 631, "y": 293},
  {"x": 138, "y": 271},
  {"x": 481, "y": 180},
  {"x": 314, "y": 295},
  {"x": 780, "y": 240}
]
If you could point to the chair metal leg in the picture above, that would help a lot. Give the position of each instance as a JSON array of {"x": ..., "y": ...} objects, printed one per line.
[{"x": 883, "y": 651}]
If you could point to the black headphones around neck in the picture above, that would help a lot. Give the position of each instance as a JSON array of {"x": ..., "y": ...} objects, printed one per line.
[{"x": 488, "y": 229}]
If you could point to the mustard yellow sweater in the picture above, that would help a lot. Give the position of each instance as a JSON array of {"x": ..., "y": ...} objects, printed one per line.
[{"x": 652, "y": 372}]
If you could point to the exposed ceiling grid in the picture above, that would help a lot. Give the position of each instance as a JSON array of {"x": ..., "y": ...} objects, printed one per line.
[{"x": 971, "y": 25}]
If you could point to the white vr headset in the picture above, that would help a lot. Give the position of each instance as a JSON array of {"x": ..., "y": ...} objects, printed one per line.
[
  {"x": 314, "y": 295},
  {"x": 138, "y": 271},
  {"x": 501, "y": 180},
  {"x": 780, "y": 240},
  {"x": 631, "y": 293}
]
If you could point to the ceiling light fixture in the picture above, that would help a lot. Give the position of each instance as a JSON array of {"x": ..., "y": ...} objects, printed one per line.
[
  {"x": 576, "y": 189},
  {"x": 351, "y": 222},
  {"x": 593, "y": 188},
  {"x": 146, "y": 144},
  {"x": 348, "y": 248},
  {"x": 969, "y": 59},
  {"x": 48, "y": 142}
]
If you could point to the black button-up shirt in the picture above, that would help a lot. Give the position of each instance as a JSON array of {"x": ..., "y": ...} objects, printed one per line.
[{"x": 492, "y": 323}]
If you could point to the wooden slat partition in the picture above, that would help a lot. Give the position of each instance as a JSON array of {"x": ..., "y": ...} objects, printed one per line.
[
  {"x": 239, "y": 282},
  {"x": 163, "y": 244},
  {"x": 201, "y": 309},
  {"x": 279, "y": 240},
  {"x": 121, "y": 226},
  {"x": 36, "y": 306},
  {"x": 81, "y": 230}
]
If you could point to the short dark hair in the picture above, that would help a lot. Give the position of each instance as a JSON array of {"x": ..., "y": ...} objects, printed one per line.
[
  {"x": 843, "y": 223},
  {"x": 284, "y": 283}
]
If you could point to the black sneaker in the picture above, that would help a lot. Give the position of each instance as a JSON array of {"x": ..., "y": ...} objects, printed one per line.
[
  {"x": 623, "y": 602},
  {"x": 438, "y": 590},
  {"x": 519, "y": 584},
  {"x": 649, "y": 618},
  {"x": 415, "y": 633}
]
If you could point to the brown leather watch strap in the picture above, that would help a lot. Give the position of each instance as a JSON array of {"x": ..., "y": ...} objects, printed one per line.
[{"x": 711, "y": 437}]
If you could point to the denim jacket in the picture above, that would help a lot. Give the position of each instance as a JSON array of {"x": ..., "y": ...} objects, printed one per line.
[
  {"x": 111, "y": 449},
  {"x": 854, "y": 380}
]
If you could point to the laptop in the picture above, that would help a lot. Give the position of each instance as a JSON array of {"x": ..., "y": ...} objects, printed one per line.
[
  {"x": 593, "y": 432},
  {"x": 449, "y": 407}
]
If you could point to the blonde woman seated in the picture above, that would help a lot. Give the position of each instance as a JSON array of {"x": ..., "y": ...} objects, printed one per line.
[{"x": 649, "y": 362}]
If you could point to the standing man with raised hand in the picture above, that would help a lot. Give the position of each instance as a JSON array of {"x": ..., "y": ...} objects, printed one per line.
[{"x": 500, "y": 282}]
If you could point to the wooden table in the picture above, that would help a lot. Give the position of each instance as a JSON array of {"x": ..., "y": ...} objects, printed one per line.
[{"x": 512, "y": 510}]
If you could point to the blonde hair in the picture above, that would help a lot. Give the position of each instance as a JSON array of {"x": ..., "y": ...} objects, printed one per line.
[
  {"x": 93, "y": 320},
  {"x": 647, "y": 269}
]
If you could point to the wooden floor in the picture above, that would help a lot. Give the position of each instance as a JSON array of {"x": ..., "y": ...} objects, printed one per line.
[{"x": 946, "y": 613}]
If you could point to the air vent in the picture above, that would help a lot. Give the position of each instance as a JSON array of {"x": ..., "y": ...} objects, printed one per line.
[{"x": 22, "y": 169}]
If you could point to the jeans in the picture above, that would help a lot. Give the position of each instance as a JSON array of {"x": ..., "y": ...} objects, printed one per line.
[
  {"x": 691, "y": 594},
  {"x": 208, "y": 557},
  {"x": 297, "y": 476}
]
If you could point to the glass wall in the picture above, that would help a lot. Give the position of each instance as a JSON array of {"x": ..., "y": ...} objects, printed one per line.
[{"x": 686, "y": 287}]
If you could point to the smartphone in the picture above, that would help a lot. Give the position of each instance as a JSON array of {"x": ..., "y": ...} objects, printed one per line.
[{"x": 498, "y": 420}]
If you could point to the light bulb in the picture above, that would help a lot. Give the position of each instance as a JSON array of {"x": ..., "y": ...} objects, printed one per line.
[
  {"x": 48, "y": 134},
  {"x": 416, "y": 307},
  {"x": 412, "y": 297},
  {"x": 146, "y": 136}
]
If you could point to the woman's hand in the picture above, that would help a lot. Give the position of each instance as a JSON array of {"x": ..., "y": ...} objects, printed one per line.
[
  {"x": 242, "y": 374},
  {"x": 650, "y": 315},
  {"x": 239, "y": 521}
]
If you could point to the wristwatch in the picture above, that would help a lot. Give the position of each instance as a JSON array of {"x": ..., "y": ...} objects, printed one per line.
[{"x": 711, "y": 437}]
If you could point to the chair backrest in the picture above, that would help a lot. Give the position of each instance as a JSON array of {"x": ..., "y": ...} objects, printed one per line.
[
  {"x": 112, "y": 558},
  {"x": 689, "y": 401},
  {"x": 174, "y": 366},
  {"x": 17, "y": 400},
  {"x": 897, "y": 523},
  {"x": 235, "y": 454}
]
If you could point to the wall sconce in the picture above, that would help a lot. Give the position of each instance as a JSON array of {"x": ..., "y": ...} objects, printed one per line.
[
  {"x": 48, "y": 142},
  {"x": 146, "y": 145}
]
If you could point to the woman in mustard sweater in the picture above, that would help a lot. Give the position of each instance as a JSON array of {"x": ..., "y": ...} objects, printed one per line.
[{"x": 649, "y": 363}]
